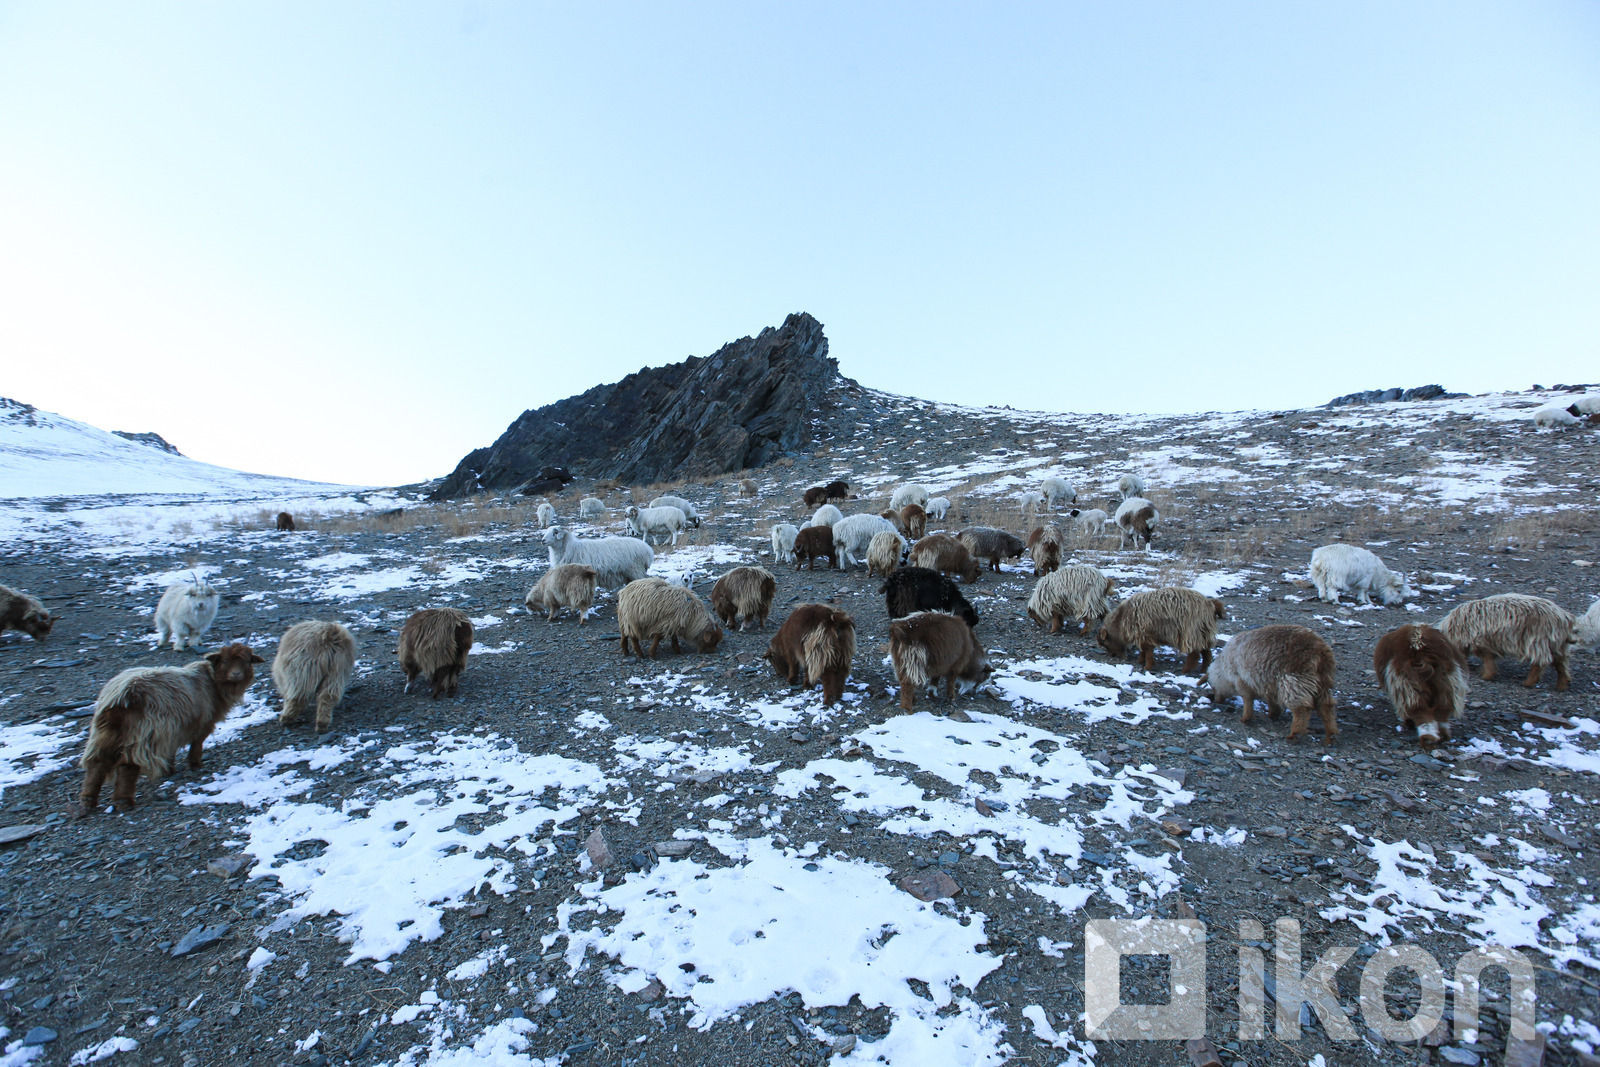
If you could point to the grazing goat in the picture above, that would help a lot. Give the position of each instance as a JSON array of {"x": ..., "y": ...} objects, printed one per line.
[
  {"x": 1554, "y": 415},
  {"x": 1130, "y": 485},
  {"x": 19, "y": 611},
  {"x": 1180, "y": 618},
  {"x": 285, "y": 521},
  {"x": 690, "y": 515},
  {"x": 434, "y": 642},
  {"x": 616, "y": 560},
  {"x": 1092, "y": 521},
  {"x": 913, "y": 589},
  {"x": 185, "y": 613},
  {"x": 546, "y": 512},
  {"x": 656, "y": 609},
  {"x": 742, "y": 594},
  {"x": 1078, "y": 592},
  {"x": 314, "y": 663},
  {"x": 1287, "y": 667},
  {"x": 913, "y": 521},
  {"x": 665, "y": 521},
  {"x": 853, "y": 535},
  {"x": 826, "y": 515},
  {"x": 1137, "y": 518},
  {"x": 567, "y": 585},
  {"x": 1341, "y": 568},
  {"x": 1521, "y": 627},
  {"x": 748, "y": 487},
  {"x": 987, "y": 542},
  {"x": 1424, "y": 675},
  {"x": 1588, "y": 404},
  {"x": 837, "y": 490},
  {"x": 1030, "y": 502},
  {"x": 929, "y": 645},
  {"x": 937, "y": 507},
  {"x": 811, "y": 542},
  {"x": 816, "y": 495},
  {"x": 1587, "y": 631},
  {"x": 1058, "y": 491},
  {"x": 783, "y": 535},
  {"x": 816, "y": 643},
  {"x": 894, "y": 519},
  {"x": 591, "y": 507},
  {"x": 1044, "y": 547},
  {"x": 885, "y": 552},
  {"x": 145, "y": 714},
  {"x": 941, "y": 552},
  {"x": 910, "y": 493}
]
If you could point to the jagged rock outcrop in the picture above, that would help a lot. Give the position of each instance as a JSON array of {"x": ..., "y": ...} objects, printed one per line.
[
  {"x": 151, "y": 438},
  {"x": 1380, "y": 396},
  {"x": 742, "y": 406}
]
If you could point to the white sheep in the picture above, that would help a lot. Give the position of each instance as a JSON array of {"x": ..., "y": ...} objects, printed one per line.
[
  {"x": 667, "y": 521},
  {"x": 616, "y": 560},
  {"x": 910, "y": 493},
  {"x": 1058, "y": 491},
  {"x": 1130, "y": 485},
  {"x": 591, "y": 508},
  {"x": 1092, "y": 521},
  {"x": 853, "y": 535},
  {"x": 826, "y": 515},
  {"x": 783, "y": 535},
  {"x": 689, "y": 513},
  {"x": 937, "y": 507},
  {"x": 1558, "y": 414},
  {"x": 546, "y": 512},
  {"x": 1341, "y": 568},
  {"x": 186, "y": 612}
]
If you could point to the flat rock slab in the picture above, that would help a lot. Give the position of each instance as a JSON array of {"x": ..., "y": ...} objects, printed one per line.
[
  {"x": 931, "y": 884},
  {"x": 11, "y": 834},
  {"x": 199, "y": 938}
]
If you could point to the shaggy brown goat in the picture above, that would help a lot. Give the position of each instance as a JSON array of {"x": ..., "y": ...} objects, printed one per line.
[
  {"x": 1424, "y": 675},
  {"x": 816, "y": 643},
  {"x": 285, "y": 521},
  {"x": 566, "y": 585},
  {"x": 912, "y": 589},
  {"x": 928, "y": 645},
  {"x": 145, "y": 714},
  {"x": 314, "y": 663},
  {"x": 1182, "y": 618},
  {"x": 816, "y": 495},
  {"x": 1044, "y": 545},
  {"x": 814, "y": 541},
  {"x": 1287, "y": 667},
  {"x": 987, "y": 542},
  {"x": 1078, "y": 592},
  {"x": 943, "y": 553},
  {"x": 742, "y": 594},
  {"x": 657, "y": 609},
  {"x": 19, "y": 611},
  {"x": 913, "y": 521},
  {"x": 1517, "y": 626},
  {"x": 748, "y": 487},
  {"x": 837, "y": 490},
  {"x": 435, "y": 642},
  {"x": 894, "y": 517}
]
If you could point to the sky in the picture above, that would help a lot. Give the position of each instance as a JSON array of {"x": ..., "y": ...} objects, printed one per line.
[{"x": 353, "y": 241}]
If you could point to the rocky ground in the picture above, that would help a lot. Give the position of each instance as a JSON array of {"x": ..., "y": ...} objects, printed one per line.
[{"x": 419, "y": 885}]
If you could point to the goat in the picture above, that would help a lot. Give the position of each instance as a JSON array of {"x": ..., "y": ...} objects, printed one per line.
[
  {"x": 185, "y": 613},
  {"x": 742, "y": 594},
  {"x": 19, "y": 611},
  {"x": 314, "y": 663},
  {"x": 1077, "y": 592},
  {"x": 1287, "y": 667},
  {"x": 816, "y": 643},
  {"x": 1181, "y": 618},
  {"x": 657, "y": 609},
  {"x": 913, "y": 589},
  {"x": 1424, "y": 675},
  {"x": 566, "y": 585},
  {"x": 616, "y": 560},
  {"x": 1514, "y": 625},
  {"x": 941, "y": 552},
  {"x": 435, "y": 642},
  {"x": 1136, "y": 518},
  {"x": 929, "y": 645}
]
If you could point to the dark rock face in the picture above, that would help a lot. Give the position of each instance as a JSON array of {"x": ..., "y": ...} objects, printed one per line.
[
  {"x": 154, "y": 440},
  {"x": 1380, "y": 396},
  {"x": 742, "y": 406}
]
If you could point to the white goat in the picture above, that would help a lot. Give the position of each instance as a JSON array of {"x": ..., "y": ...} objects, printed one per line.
[
  {"x": 1130, "y": 485},
  {"x": 853, "y": 535},
  {"x": 783, "y": 535},
  {"x": 937, "y": 507},
  {"x": 186, "y": 612},
  {"x": 668, "y": 521},
  {"x": 616, "y": 560},
  {"x": 910, "y": 493},
  {"x": 689, "y": 513},
  {"x": 1058, "y": 491},
  {"x": 1341, "y": 568}
]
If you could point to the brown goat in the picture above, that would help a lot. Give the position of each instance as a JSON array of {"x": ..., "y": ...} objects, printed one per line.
[
  {"x": 816, "y": 643},
  {"x": 837, "y": 490},
  {"x": 566, "y": 585},
  {"x": 435, "y": 642},
  {"x": 657, "y": 609},
  {"x": 285, "y": 521},
  {"x": 814, "y": 541},
  {"x": 748, "y": 487},
  {"x": 817, "y": 494},
  {"x": 1286, "y": 666},
  {"x": 1182, "y": 618},
  {"x": 1517, "y": 626},
  {"x": 19, "y": 611},
  {"x": 1044, "y": 545},
  {"x": 928, "y": 645},
  {"x": 1424, "y": 675},
  {"x": 914, "y": 521},
  {"x": 987, "y": 542},
  {"x": 313, "y": 665},
  {"x": 742, "y": 594},
  {"x": 894, "y": 517},
  {"x": 943, "y": 553},
  {"x": 145, "y": 714}
]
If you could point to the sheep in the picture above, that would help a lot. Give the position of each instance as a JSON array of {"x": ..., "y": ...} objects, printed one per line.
[
  {"x": 1512, "y": 624},
  {"x": 145, "y": 714},
  {"x": 852, "y": 536},
  {"x": 913, "y": 589},
  {"x": 591, "y": 507},
  {"x": 1044, "y": 548},
  {"x": 783, "y": 535},
  {"x": 1587, "y": 631},
  {"x": 1287, "y": 667},
  {"x": 616, "y": 560},
  {"x": 569, "y": 585},
  {"x": 285, "y": 522},
  {"x": 1058, "y": 491},
  {"x": 742, "y": 594},
  {"x": 1181, "y": 618},
  {"x": 817, "y": 494},
  {"x": 826, "y": 515},
  {"x": 941, "y": 552},
  {"x": 910, "y": 493},
  {"x": 928, "y": 645},
  {"x": 546, "y": 512},
  {"x": 1130, "y": 485},
  {"x": 811, "y": 542},
  {"x": 185, "y": 613},
  {"x": 434, "y": 642},
  {"x": 986, "y": 542},
  {"x": 748, "y": 487},
  {"x": 1092, "y": 521},
  {"x": 885, "y": 552},
  {"x": 314, "y": 663},
  {"x": 816, "y": 643},
  {"x": 1136, "y": 518},
  {"x": 894, "y": 519},
  {"x": 937, "y": 507},
  {"x": 1553, "y": 415},
  {"x": 913, "y": 521},
  {"x": 1341, "y": 568},
  {"x": 1424, "y": 675},
  {"x": 19, "y": 611},
  {"x": 1588, "y": 404},
  {"x": 665, "y": 521},
  {"x": 658, "y": 609},
  {"x": 837, "y": 490},
  {"x": 1078, "y": 592},
  {"x": 690, "y": 515}
]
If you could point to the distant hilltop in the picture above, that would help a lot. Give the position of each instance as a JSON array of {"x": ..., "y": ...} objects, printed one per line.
[
  {"x": 748, "y": 403},
  {"x": 154, "y": 440}
]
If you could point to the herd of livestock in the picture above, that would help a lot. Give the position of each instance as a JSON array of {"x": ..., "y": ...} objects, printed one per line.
[{"x": 144, "y": 715}]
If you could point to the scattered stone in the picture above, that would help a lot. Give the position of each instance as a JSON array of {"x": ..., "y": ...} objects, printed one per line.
[
  {"x": 930, "y": 884},
  {"x": 1426, "y": 761},
  {"x": 39, "y": 1035},
  {"x": 983, "y": 809},
  {"x": 845, "y": 1045},
  {"x": 652, "y": 991},
  {"x": 12, "y": 834},
  {"x": 1453, "y": 1054},
  {"x": 199, "y": 938},
  {"x": 598, "y": 848},
  {"x": 673, "y": 849},
  {"x": 227, "y": 866}
]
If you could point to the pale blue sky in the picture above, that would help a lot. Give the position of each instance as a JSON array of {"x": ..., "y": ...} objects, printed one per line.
[{"x": 352, "y": 241}]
